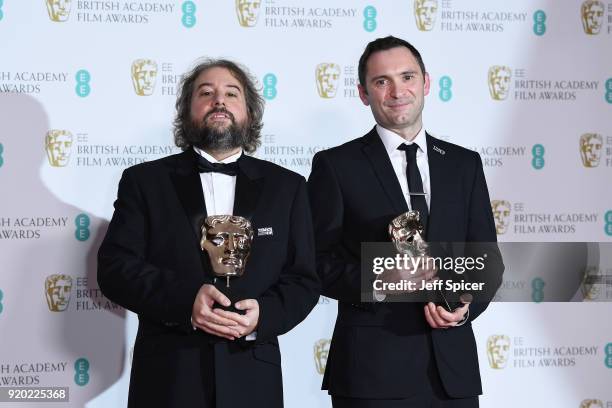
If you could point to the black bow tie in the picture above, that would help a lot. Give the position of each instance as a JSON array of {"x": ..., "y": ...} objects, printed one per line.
[{"x": 204, "y": 166}]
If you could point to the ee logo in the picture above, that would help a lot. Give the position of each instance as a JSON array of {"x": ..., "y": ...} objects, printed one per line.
[
  {"x": 369, "y": 22},
  {"x": 269, "y": 90}
]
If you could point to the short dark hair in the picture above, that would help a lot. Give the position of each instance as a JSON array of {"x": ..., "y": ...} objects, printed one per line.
[
  {"x": 254, "y": 102},
  {"x": 383, "y": 44}
]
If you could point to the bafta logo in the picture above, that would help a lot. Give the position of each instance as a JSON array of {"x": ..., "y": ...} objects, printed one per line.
[
  {"x": 590, "y": 149},
  {"x": 59, "y": 10},
  {"x": 591, "y": 403},
  {"x": 327, "y": 75},
  {"x": 591, "y": 280},
  {"x": 144, "y": 74},
  {"x": 57, "y": 292},
  {"x": 498, "y": 350},
  {"x": 321, "y": 350},
  {"x": 248, "y": 12},
  {"x": 499, "y": 82},
  {"x": 425, "y": 14},
  {"x": 591, "y": 13},
  {"x": 58, "y": 144},
  {"x": 501, "y": 215}
]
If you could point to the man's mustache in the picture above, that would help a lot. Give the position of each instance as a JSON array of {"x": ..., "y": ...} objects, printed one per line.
[{"x": 220, "y": 110}]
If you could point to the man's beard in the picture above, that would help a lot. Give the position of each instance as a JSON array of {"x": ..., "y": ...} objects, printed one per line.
[{"x": 216, "y": 138}]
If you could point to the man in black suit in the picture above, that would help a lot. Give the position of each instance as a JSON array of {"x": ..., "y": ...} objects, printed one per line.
[
  {"x": 194, "y": 348},
  {"x": 398, "y": 354}
]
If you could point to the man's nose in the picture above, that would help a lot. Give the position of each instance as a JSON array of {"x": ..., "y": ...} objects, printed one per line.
[
  {"x": 219, "y": 99},
  {"x": 397, "y": 90}
]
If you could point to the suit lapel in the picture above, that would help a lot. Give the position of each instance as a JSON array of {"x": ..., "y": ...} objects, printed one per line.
[
  {"x": 188, "y": 185},
  {"x": 439, "y": 166},
  {"x": 376, "y": 154},
  {"x": 249, "y": 183}
]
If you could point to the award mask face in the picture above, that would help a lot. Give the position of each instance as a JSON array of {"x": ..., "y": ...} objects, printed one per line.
[
  {"x": 592, "y": 13},
  {"x": 498, "y": 350},
  {"x": 590, "y": 149},
  {"x": 499, "y": 82},
  {"x": 425, "y": 14},
  {"x": 227, "y": 240},
  {"x": 144, "y": 75},
  {"x": 406, "y": 232},
  {"x": 59, "y": 10},
  {"x": 58, "y": 144},
  {"x": 501, "y": 214},
  {"x": 248, "y": 12},
  {"x": 321, "y": 351},
  {"x": 327, "y": 75},
  {"x": 57, "y": 292}
]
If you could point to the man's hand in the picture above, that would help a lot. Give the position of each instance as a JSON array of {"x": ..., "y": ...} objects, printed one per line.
[
  {"x": 440, "y": 318},
  {"x": 203, "y": 316},
  {"x": 246, "y": 323},
  {"x": 425, "y": 272}
]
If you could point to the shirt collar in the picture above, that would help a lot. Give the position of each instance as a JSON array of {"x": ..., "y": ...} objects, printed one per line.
[
  {"x": 392, "y": 140},
  {"x": 211, "y": 159}
]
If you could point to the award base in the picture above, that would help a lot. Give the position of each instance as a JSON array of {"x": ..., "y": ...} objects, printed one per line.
[{"x": 233, "y": 294}]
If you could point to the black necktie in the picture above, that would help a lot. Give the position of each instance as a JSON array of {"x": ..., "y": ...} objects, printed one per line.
[
  {"x": 415, "y": 183},
  {"x": 204, "y": 166}
]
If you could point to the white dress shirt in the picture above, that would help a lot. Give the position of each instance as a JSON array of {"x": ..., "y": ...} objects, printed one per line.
[
  {"x": 392, "y": 141},
  {"x": 219, "y": 193},
  {"x": 219, "y": 189}
]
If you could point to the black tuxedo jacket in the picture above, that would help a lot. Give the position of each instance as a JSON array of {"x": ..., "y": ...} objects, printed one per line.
[
  {"x": 151, "y": 263},
  {"x": 381, "y": 350}
]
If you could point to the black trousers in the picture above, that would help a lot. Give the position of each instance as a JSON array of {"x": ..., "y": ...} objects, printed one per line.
[
  {"x": 432, "y": 396},
  {"x": 418, "y": 401}
]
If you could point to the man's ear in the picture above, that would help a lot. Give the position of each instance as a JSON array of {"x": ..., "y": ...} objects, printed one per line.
[
  {"x": 363, "y": 95},
  {"x": 426, "y": 85}
]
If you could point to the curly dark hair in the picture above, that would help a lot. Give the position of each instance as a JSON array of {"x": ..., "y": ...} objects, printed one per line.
[{"x": 254, "y": 103}]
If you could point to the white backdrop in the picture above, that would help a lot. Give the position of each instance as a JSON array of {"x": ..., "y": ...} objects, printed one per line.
[{"x": 66, "y": 72}]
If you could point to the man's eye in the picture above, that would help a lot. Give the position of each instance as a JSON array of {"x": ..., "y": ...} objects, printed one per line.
[{"x": 232, "y": 94}]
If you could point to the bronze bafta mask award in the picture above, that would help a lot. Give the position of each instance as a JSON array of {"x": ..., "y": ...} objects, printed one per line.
[
  {"x": 406, "y": 232},
  {"x": 227, "y": 240}
]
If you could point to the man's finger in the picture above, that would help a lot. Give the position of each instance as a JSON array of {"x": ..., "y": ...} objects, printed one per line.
[
  {"x": 429, "y": 319},
  {"x": 247, "y": 304},
  {"x": 232, "y": 316},
  {"x": 435, "y": 314},
  {"x": 454, "y": 316},
  {"x": 219, "y": 297},
  {"x": 207, "y": 329},
  {"x": 225, "y": 331},
  {"x": 212, "y": 317}
]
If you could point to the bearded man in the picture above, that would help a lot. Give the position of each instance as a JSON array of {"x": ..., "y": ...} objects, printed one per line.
[{"x": 197, "y": 347}]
